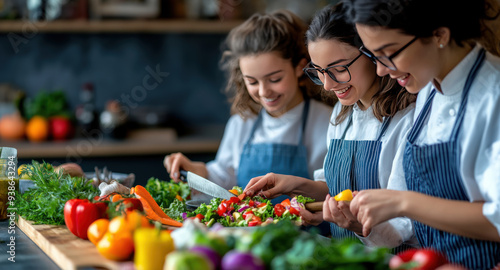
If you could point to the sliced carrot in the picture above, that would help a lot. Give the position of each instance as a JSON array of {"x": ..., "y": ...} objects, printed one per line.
[
  {"x": 242, "y": 196},
  {"x": 179, "y": 197},
  {"x": 148, "y": 202},
  {"x": 234, "y": 191}
]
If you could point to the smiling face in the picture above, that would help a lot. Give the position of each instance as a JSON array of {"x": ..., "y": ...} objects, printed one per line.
[
  {"x": 364, "y": 82},
  {"x": 417, "y": 65},
  {"x": 272, "y": 81}
]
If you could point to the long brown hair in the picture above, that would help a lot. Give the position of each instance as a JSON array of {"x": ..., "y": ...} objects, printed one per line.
[
  {"x": 280, "y": 31},
  {"x": 330, "y": 24}
]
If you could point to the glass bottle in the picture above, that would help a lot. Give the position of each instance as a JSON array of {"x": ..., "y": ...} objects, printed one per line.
[{"x": 9, "y": 181}]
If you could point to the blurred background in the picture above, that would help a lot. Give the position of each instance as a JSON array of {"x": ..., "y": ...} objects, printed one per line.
[{"x": 119, "y": 83}]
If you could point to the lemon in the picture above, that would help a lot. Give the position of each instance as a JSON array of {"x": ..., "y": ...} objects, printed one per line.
[{"x": 345, "y": 195}]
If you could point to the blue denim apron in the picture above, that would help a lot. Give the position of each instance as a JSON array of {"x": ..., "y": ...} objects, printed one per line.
[
  {"x": 261, "y": 158},
  {"x": 352, "y": 164},
  {"x": 434, "y": 170}
]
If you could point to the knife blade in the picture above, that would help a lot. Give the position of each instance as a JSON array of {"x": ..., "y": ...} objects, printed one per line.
[{"x": 206, "y": 186}]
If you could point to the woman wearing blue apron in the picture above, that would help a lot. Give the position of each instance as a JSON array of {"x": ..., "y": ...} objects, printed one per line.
[
  {"x": 452, "y": 155},
  {"x": 261, "y": 158},
  {"x": 277, "y": 118},
  {"x": 366, "y": 136}
]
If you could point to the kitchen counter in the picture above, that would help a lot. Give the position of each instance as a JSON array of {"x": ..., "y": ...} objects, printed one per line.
[
  {"x": 139, "y": 142},
  {"x": 27, "y": 254}
]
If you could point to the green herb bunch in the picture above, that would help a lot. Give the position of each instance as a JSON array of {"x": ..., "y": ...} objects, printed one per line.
[{"x": 45, "y": 203}]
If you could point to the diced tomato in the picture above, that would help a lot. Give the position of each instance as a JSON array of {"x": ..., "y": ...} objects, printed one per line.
[
  {"x": 200, "y": 216},
  {"x": 246, "y": 214},
  {"x": 222, "y": 208},
  {"x": 286, "y": 203},
  {"x": 279, "y": 209},
  {"x": 234, "y": 200},
  {"x": 251, "y": 203},
  {"x": 254, "y": 223},
  {"x": 294, "y": 211},
  {"x": 262, "y": 205},
  {"x": 256, "y": 218}
]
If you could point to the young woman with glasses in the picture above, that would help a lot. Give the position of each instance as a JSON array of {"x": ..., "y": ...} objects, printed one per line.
[
  {"x": 452, "y": 155},
  {"x": 276, "y": 125},
  {"x": 366, "y": 134}
]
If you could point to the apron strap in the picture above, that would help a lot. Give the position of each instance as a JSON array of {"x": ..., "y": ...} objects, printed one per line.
[
  {"x": 257, "y": 123},
  {"x": 383, "y": 129},
  {"x": 349, "y": 122},
  {"x": 305, "y": 113},
  {"x": 470, "y": 78},
  {"x": 419, "y": 123}
]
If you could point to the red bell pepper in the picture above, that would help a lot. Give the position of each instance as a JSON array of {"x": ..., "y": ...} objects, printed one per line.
[{"x": 80, "y": 213}]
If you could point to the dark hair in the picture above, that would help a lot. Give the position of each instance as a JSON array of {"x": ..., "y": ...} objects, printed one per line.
[
  {"x": 465, "y": 19},
  {"x": 280, "y": 31},
  {"x": 330, "y": 23}
]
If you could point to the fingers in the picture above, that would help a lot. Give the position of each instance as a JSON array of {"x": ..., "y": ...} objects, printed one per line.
[
  {"x": 253, "y": 186},
  {"x": 174, "y": 163},
  {"x": 311, "y": 218},
  {"x": 267, "y": 185}
]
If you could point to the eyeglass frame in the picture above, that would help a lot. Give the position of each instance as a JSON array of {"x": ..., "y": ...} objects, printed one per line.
[
  {"x": 323, "y": 70},
  {"x": 389, "y": 58}
]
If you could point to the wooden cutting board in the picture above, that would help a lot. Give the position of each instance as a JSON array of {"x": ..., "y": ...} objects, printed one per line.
[{"x": 64, "y": 248}]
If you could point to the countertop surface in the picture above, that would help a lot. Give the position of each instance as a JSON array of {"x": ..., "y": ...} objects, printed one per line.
[
  {"x": 139, "y": 142},
  {"x": 27, "y": 254}
]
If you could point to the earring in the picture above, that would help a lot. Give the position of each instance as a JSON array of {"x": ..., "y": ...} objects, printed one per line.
[{"x": 441, "y": 46}]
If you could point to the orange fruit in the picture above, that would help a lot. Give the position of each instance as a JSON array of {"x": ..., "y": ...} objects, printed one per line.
[
  {"x": 37, "y": 129},
  {"x": 116, "y": 247},
  {"x": 12, "y": 127},
  {"x": 345, "y": 195},
  {"x": 136, "y": 219},
  {"x": 97, "y": 229}
]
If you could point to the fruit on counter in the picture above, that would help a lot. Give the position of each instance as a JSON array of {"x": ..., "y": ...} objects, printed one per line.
[
  {"x": 151, "y": 208},
  {"x": 12, "y": 127},
  {"x": 116, "y": 247},
  {"x": 236, "y": 260},
  {"x": 23, "y": 172},
  {"x": 80, "y": 213},
  {"x": 345, "y": 195},
  {"x": 37, "y": 129},
  {"x": 97, "y": 230},
  {"x": 61, "y": 128},
  {"x": 151, "y": 248},
  {"x": 185, "y": 260},
  {"x": 421, "y": 259},
  {"x": 73, "y": 169}
]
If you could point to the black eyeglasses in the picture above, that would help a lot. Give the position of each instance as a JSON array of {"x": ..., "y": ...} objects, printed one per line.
[
  {"x": 386, "y": 60},
  {"x": 338, "y": 73}
]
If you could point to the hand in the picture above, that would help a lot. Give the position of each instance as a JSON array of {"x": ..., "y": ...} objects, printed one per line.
[
  {"x": 270, "y": 185},
  {"x": 177, "y": 161},
  {"x": 311, "y": 218},
  {"x": 340, "y": 214},
  {"x": 372, "y": 207}
]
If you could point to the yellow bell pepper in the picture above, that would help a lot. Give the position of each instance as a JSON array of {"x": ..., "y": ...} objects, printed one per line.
[
  {"x": 151, "y": 248},
  {"x": 345, "y": 195}
]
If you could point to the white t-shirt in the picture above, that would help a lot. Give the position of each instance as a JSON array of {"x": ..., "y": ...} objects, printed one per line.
[
  {"x": 284, "y": 129},
  {"x": 365, "y": 126},
  {"x": 480, "y": 132}
]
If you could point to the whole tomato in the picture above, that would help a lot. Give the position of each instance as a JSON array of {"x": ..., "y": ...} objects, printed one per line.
[
  {"x": 97, "y": 230},
  {"x": 418, "y": 259},
  {"x": 116, "y": 247}
]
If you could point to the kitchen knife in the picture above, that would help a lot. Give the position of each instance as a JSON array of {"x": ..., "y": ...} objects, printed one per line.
[{"x": 206, "y": 186}]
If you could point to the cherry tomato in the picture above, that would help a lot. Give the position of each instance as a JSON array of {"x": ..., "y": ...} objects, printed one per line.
[
  {"x": 130, "y": 204},
  {"x": 251, "y": 203},
  {"x": 248, "y": 212},
  {"x": 222, "y": 208},
  {"x": 286, "y": 203},
  {"x": 200, "y": 216},
  {"x": 279, "y": 209},
  {"x": 234, "y": 200}
]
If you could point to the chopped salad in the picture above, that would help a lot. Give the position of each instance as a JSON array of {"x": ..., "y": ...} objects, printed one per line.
[{"x": 243, "y": 211}]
